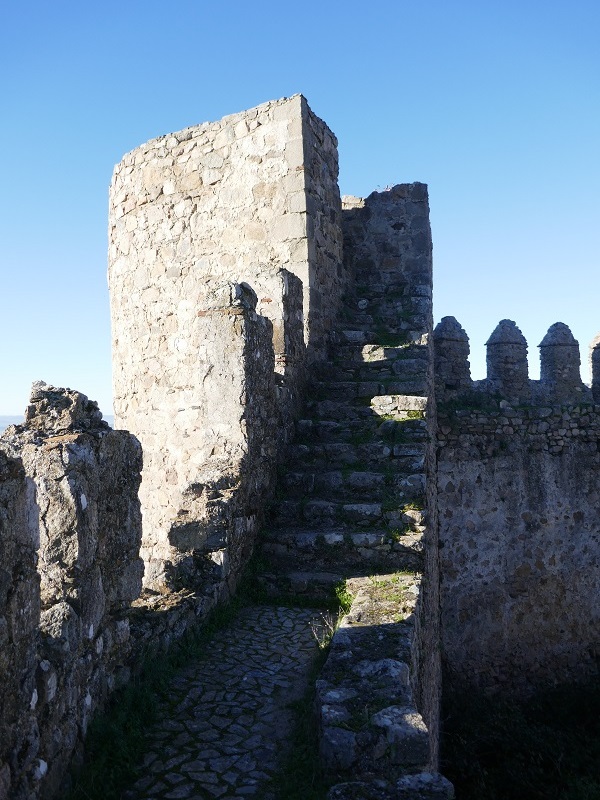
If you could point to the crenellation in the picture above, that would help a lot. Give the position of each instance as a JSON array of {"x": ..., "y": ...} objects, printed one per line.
[
  {"x": 507, "y": 378},
  {"x": 507, "y": 370},
  {"x": 595, "y": 367},
  {"x": 451, "y": 359},
  {"x": 560, "y": 377}
]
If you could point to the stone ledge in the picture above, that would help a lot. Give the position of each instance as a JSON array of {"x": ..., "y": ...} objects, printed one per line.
[{"x": 370, "y": 727}]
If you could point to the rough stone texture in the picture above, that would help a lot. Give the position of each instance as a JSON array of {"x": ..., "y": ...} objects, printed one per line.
[
  {"x": 559, "y": 364},
  {"x": 507, "y": 371},
  {"x": 518, "y": 499},
  {"x": 451, "y": 356},
  {"x": 250, "y": 200},
  {"x": 226, "y": 721},
  {"x": 422, "y": 786},
  {"x": 595, "y": 367},
  {"x": 369, "y": 724},
  {"x": 19, "y": 625},
  {"x": 80, "y": 511}
]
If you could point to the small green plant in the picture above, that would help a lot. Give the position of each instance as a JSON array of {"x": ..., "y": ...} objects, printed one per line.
[
  {"x": 343, "y": 596},
  {"x": 323, "y": 630},
  {"x": 414, "y": 505},
  {"x": 396, "y": 535},
  {"x": 413, "y": 414},
  {"x": 388, "y": 589}
]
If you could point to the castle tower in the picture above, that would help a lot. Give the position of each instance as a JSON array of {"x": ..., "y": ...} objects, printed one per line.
[
  {"x": 560, "y": 362},
  {"x": 507, "y": 371},
  {"x": 595, "y": 367},
  {"x": 249, "y": 201},
  {"x": 451, "y": 354}
]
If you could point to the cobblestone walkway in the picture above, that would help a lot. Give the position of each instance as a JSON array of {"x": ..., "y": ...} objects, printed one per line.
[{"x": 226, "y": 721}]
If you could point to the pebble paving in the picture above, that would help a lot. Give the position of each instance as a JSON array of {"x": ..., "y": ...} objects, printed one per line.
[{"x": 227, "y": 718}]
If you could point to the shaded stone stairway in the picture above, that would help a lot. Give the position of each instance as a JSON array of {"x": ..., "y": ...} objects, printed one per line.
[
  {"x": 351, "y": 508},
  {"x": 350, "y": 502}
]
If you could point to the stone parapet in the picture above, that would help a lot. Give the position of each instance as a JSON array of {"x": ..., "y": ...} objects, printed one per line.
[
  {"x": 507, "y": 368},
  {"x": 71, "y": 537},
  {"x": 518, "y": 499}
]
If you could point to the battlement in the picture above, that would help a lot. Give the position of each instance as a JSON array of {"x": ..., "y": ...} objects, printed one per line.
[{"x": 507, "y": 366}]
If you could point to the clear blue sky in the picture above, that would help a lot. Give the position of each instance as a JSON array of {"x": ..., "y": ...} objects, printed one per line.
[{"x": 494, "y": 104}]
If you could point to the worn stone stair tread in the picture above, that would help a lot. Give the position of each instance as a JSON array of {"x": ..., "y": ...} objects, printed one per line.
[
  {"x": 306, "y": 576},
  {"x": 310, "y": 539}
]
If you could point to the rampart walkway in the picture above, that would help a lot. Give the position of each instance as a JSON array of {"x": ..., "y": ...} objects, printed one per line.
[{"x": 227, "y": 718}]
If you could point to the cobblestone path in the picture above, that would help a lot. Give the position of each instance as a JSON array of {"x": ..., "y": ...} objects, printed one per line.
[{"x": 225, "y": 723}]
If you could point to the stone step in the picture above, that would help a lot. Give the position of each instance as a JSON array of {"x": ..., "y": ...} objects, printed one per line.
[
  {"x": 320, "y": 512},
  {"x": 347, "y": 484},
  {"x": 343, "y": 552},
  {"x": 361, "y": 353},
  {"x": 357, "y": 389},
  {"x": 370, "y": 456},
  {"x": 294, "y": 583},
  {"x": 354, "y": 410},
  {"x": 361, "y": 431},
  {"x": 380, "y": 371}
]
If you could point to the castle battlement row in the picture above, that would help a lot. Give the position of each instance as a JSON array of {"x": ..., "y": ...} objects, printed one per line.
[{"x": 507, "y": 365}]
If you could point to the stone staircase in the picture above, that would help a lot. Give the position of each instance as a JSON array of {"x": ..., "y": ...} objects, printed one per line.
[
  {"x": 350, "y": 507},
  {"x": 350, "y": 500}
]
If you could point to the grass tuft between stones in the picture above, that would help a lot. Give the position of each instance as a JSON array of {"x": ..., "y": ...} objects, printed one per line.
[{"x": 301, "y": 777}]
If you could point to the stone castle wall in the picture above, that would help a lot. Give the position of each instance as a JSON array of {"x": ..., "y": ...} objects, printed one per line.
[
  {"x": 70, "y": 531},
  {"x": 250, "y": 200},
  {"x": 518, "y": 502}
]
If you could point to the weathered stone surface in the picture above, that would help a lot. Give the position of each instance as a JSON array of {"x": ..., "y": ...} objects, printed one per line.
[
  {"x": 370, "y": 727},
  {"x": 422, "y": 786},
  {"x": 79, "y": 523},
  {"x": 518, "y": 499},
  {"x": 250, "y": 200},
  {"x": 19, "y": 620},
  {"x": 559, "y": 364},
  {"x": 451, "y": 355},
  {"x": 507, "y": 371},
  {"x": 595, "y": 367}
]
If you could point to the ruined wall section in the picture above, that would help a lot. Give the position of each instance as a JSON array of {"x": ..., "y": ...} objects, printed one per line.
[
  {"x": 19, "y": 625},
  {"x": 225, "y": 202},
  {"x": 519, "y": 519},
  {"x": 76, "y": 519},
  {"x": 231, "y": 468},
  {"x": 327, "y": 277}
]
